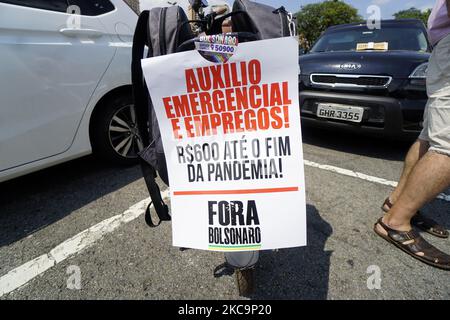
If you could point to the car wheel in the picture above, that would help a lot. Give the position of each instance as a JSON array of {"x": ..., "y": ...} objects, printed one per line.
[{"x": 114, "y": 132}]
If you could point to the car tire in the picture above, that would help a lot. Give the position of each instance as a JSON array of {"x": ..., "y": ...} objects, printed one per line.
[{"x": 113, "y": 131}]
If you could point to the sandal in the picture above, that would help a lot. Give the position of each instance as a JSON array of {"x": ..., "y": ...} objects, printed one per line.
[
  {"x": 420, "y": 221},
  {"x": 412, "y": 243}
]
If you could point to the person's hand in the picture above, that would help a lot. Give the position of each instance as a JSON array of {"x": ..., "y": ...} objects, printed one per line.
[{"x": 227, "y": 27}]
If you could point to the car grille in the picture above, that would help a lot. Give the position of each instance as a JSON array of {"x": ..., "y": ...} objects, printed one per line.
[{"x": 341, "y": 80}]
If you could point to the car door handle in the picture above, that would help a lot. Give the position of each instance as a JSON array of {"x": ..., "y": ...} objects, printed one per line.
[{"x": 74, "y": 32}]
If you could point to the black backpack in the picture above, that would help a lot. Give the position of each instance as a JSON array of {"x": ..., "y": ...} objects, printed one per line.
[{"x": 165, "y": 31}]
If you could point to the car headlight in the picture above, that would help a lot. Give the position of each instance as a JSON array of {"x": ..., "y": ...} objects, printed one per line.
[{"x": 420, "y": 72}]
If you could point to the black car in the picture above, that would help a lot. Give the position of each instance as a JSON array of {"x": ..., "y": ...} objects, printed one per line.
[{"x": 366, "y": 80}]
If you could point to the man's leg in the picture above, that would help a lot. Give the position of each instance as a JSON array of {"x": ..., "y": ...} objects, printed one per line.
[
  {"x": 415, "y": 153},
  {"x": 428, "y": 178},
  {"x": 431, "y": 174}
]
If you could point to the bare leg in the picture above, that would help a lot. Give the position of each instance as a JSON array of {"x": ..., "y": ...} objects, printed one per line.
[
  {"x": 415, "y": 153},
  {"x": 428, "y": 178}
]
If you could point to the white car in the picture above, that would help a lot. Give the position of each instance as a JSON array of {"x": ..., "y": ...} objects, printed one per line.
[{"x": 65, "y": 83}]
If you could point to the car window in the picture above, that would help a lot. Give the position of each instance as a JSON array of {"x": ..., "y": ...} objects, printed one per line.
[
  {"x": 423, "y": 42},
  {"x": 134, "y": 5},
  {"x": 53, "y": 5},
  {"x": 408, "y": 38},
  {"x": 92, "y": 7}
]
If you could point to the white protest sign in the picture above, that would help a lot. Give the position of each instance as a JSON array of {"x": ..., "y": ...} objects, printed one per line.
[{"x": 232, "y": 138}]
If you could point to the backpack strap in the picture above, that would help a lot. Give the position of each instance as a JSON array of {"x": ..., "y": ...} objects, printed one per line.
[
  {"x": 141, "y": 98},
  {"x": 139, "y": 91},
  {"x": 162, "y": 210}
]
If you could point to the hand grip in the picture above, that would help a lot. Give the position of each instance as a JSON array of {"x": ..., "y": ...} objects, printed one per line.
[{"x": 74, "y": 32}]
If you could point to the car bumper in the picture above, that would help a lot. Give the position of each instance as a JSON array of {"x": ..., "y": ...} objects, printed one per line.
[{"x": 383, "y": 116}]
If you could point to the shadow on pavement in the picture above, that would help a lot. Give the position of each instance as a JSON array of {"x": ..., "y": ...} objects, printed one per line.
[
  {"x": 297, "y": 273},
  {"x": 37, "y": 200},
  {"x": 438, "y": 211},
  {"x": 374, "y": 147},
  {"x": 360, "y": 144}
]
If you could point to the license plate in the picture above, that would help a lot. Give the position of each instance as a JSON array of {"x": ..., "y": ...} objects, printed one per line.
[{"x": 340, "y": 112}]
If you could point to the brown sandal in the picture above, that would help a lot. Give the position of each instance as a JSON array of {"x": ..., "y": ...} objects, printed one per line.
[
  {"x": 420, "y": 221},
  {"x": 412, "y": 243}
]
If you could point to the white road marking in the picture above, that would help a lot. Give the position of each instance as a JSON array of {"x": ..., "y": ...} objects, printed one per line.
[
  {"x": 362, "y": 176},
  {"x": 19, "y": 276},
  {"x": 26, "y": 272}
]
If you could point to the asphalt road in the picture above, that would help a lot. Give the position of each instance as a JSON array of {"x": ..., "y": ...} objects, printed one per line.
[{"x": 44, "y": 209}]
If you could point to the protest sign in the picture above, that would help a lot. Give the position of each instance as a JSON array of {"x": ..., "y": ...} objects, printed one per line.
[{"x": 232, "y": 138}]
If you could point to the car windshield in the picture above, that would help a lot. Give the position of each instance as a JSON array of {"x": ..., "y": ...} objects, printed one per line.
[{"x": 408, "y": 38}]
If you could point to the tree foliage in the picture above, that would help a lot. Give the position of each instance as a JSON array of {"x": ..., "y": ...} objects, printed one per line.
[
  {"x": 414, "y": 13},
  {"x": 315, "y": 18}
]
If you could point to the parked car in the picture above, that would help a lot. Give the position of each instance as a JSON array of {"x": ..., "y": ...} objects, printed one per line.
[
  {"x": 365, "y": 80},
  {"x": 65, "y": 83}
]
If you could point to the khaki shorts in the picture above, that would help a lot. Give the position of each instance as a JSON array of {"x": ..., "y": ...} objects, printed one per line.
[{"x": 436, "y": 118}]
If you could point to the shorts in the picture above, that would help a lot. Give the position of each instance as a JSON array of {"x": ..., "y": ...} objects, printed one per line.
[{"x": 436, "y": 118}]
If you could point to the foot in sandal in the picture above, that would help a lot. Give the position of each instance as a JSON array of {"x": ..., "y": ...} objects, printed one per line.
[
  {"x": 420, "y": 221},
  {"x": 411, "y": 242}
]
